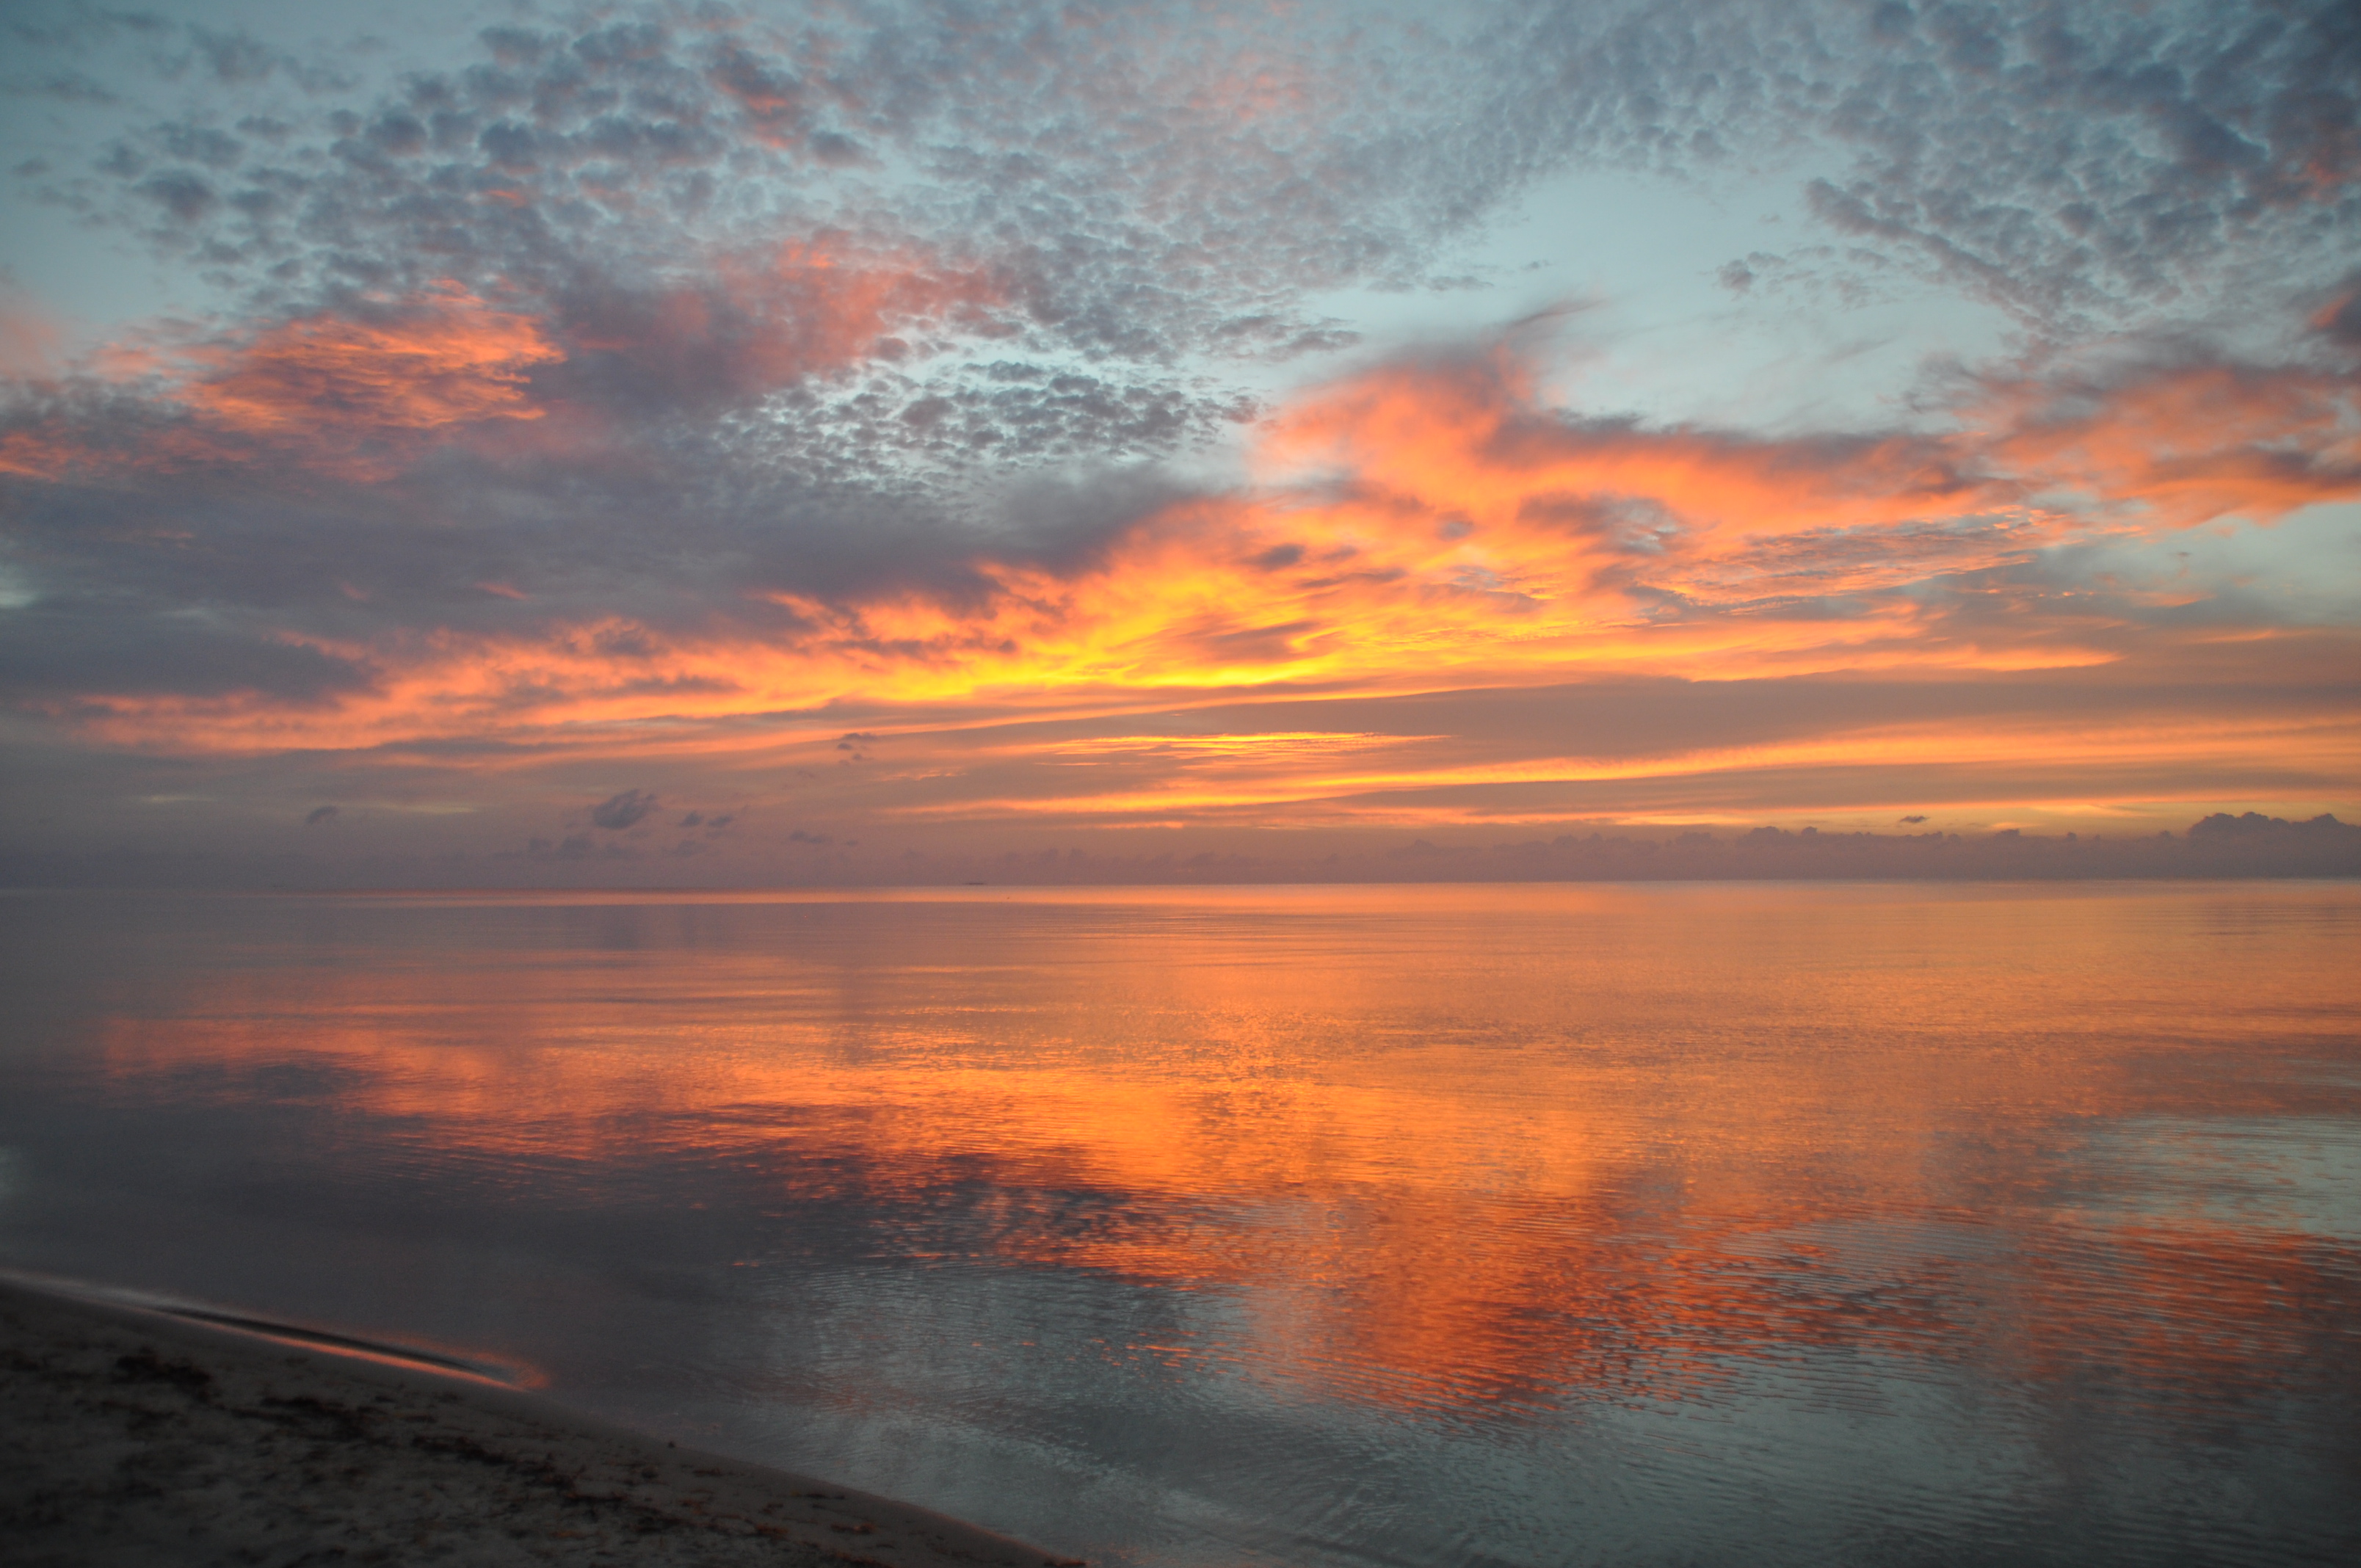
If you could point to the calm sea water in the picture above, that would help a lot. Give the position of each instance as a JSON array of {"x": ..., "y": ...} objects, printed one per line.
[{"x": 1536, "y": 1225}]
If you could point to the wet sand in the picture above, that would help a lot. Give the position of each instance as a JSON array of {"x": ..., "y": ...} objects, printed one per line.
[{"x": 131, "y": 1436}]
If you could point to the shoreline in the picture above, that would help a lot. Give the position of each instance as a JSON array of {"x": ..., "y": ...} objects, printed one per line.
[{"x": 133, "y": 1434}]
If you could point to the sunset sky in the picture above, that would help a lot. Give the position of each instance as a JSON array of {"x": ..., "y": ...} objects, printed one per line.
[{"x": 704, "y": 445}]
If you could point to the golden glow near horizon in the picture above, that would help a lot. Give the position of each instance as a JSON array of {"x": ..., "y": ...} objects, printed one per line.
[
  {"x": 1413, "y": 531},
  {"x": 1407, "y": 530}
]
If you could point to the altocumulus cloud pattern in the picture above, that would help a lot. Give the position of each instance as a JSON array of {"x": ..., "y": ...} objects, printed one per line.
[{"x": 918, "y": 440}]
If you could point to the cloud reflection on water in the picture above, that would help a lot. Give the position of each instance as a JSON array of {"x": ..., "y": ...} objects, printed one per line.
[{"x": 1477, "y": 1156}]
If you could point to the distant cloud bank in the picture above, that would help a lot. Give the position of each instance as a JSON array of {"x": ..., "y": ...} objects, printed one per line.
[{"x": 2219, "y": 847}]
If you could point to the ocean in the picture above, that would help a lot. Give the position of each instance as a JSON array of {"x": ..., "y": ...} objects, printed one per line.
[{"x": 1536, "y": 1224}]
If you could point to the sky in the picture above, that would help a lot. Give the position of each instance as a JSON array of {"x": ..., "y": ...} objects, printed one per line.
[{"x": 712, "y": 445}]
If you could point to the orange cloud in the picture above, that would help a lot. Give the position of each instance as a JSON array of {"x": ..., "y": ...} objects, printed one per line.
[
  {"x": 1414, "y": 529},
  {"x": 363, "y": 396},
  {"x": 2184, "y": 445},
  {"x": 43, "y": 452},
  {"x": 353, "y": 396},
  {"x": 447, "y": 359},
  {"x": 1471, "y": 440},
  {"x": 29, "y": 341}
]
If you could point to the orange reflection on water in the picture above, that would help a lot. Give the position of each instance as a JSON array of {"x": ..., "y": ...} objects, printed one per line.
[{"x": 1439, "y": 1148}]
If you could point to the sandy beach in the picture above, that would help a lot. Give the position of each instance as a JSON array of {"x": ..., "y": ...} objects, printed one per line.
[{"x": 132, "y": 1436}]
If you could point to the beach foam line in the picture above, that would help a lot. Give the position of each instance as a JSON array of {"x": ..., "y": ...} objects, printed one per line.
[
  {"x": 477, "y": 1369},
  {"x": 141, "y": 1429}
]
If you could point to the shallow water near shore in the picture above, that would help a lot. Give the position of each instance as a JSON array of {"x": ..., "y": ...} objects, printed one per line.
[{"x": 1433, "y": 1225}]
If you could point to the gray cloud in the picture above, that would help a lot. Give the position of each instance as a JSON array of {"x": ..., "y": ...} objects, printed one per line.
[
  {"x": 78, "y": 25},
  {"x": 2218, "y": 847},
  {"x": 1132, "y": 209},
  {"x": 585, "y": 166},
  {"x": 2086, "y": 161},
  {"x": 58, "y": 653},
  {"x": 2251, "y": 845},
  {"x": 64, "y": 87},
  {"x": 233, "y": 57},
  {"x": 620, "y": 811}
]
